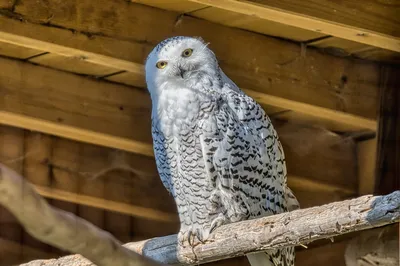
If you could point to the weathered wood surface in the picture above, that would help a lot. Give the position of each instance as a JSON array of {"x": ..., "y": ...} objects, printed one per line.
[
  {"x": 366, "y": 165},
  {"x": 377, "y": 16},
  {"x": 298, "y": 227},
  {"x": 79, "y": 108},
  {"x": 264, "y": 64},
  {"x": 11, "y": 153},
  {"x": 7, "y": 4},
  {"x": 59, "y": 228},
  {"x": 294, "y": 228},
  {"x": 134, "y": 185},
  {"x": 326, "y": 17},
  {"x": 388, "y": 154}
]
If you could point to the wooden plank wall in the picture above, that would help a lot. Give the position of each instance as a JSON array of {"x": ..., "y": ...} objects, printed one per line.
[
  {"x": 117, "y": 176},
  {"x": 84, "y": 169},
  {"x": 120, "y": 191},
  {"x": 388, "y": 166}
]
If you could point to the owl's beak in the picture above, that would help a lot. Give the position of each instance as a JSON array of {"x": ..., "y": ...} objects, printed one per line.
[{"x": 181, "y": 71}]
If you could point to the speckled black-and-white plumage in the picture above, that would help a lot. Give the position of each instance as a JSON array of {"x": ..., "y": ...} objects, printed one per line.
[{"x": 216, "y": 150}]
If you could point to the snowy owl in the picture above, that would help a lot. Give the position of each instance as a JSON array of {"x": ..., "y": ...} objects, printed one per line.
[{"x": 216, "y": 150}]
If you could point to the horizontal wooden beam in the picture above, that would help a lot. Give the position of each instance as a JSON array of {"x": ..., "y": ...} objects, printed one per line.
[
  {"x": 91, "y": 175},
  {"x": 75, "y": 133},
  {"x": 294, "y": 182},
  {"x": 288, "y": 14},
  {"x": 117, "y": 116},
  {"x": 38, "y": 101},
  {"x": 86, "y": 56},
  {"x": 298, "y": 182},
  {"x": 347, "y": 92},
  {"x": 347, "y": 120},
  {"x": 104, "y": 204}
]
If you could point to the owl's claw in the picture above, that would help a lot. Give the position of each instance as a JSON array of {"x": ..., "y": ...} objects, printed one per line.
[
  {"x": 217, "y": 222},
  {"x": 193, "y": 236}
]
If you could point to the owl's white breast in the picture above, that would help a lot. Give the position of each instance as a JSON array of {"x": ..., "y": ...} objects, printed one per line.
[{"x": 176, "y": 109}]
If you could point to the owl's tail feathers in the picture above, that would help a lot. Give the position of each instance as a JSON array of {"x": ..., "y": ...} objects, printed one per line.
[
  {"x": 260, "y": 259},
  {"x": 277, "y": 257},
  {"x": 291, "y": 200}
]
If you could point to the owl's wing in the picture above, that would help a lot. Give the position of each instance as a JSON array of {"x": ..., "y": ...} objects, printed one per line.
[
  {"x": 244, "y": 156},
  {"x": 163, "y": 155},
  {"x": 245, "y": 159}
]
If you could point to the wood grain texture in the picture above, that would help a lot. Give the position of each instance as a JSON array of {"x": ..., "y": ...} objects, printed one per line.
[
  {"x": 379, "y": 55},
  {"x": 74, "y": 133},
  {"x": 37, "y": 153},
  {"x": 6, "y": 4},
  {"x": 264, "y": 64},
  {"x": 325, "y": 149},
  {"x": 64, "y": 180},
  {"x": 76, "y": 102},
  {"x": 103, "y": 204},
  {"x": 255, "y": 24},
  {"x": 343, "y": 48},
  {"x": 173, "y": 5},
  {"x": 12, "y": 155},
  {"x": 388, "y": 154},
  {"x": 300, "y": 226},
  {"x": 73, "y": 64},
  {"x": 78, "y": 108},
  {"x": 377, "y": 16},
  {"x": 92, "y": 49},
  {"x": 127, "y": 178},
  {"x": 313, "y": 15},
  {"x": 327, "y": 116},
  {"x": 15, "y": 51},
  {"x": 366, "y": 161},
  {"x": 90, "y": 187}
]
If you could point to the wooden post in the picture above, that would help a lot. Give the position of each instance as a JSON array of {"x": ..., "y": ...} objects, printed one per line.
[{"x": 388, "y": 157}]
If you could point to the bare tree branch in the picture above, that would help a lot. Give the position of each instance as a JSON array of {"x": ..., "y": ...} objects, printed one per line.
[
  {"x": 287, "y": 229},
  {"x": 62, "y": 229}
]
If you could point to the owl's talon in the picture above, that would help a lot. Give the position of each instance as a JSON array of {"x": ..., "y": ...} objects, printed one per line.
[
  {"x": 191, "y": 238},
  {"x": 220, "y": 220}
]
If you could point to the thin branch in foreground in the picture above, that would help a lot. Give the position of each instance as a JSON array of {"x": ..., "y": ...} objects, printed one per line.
[
  {"x": 287, "y": 229},
  {"x": 62, "y": 229}
]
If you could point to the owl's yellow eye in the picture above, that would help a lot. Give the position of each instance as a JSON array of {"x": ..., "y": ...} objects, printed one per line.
[
  {"x": 188, "y": 52},
  {"x": 161, "y": 64}
]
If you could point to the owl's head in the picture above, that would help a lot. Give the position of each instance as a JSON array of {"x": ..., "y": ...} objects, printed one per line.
[{"x": 178, "y": 59}]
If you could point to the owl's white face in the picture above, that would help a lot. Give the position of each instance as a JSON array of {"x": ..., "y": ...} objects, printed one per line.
[{"x": 176, "y": 60}]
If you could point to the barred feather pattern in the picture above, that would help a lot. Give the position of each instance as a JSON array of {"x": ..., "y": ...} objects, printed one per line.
[{"x": 220, "y": 157}]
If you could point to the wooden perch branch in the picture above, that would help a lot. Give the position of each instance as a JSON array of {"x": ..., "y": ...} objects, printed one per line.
[
  {"x": 298, "y": 227},
  {"x": 62, "y": 229}
]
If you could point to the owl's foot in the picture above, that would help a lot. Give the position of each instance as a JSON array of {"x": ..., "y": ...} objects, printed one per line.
[{"x": 195, "y": 235}]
